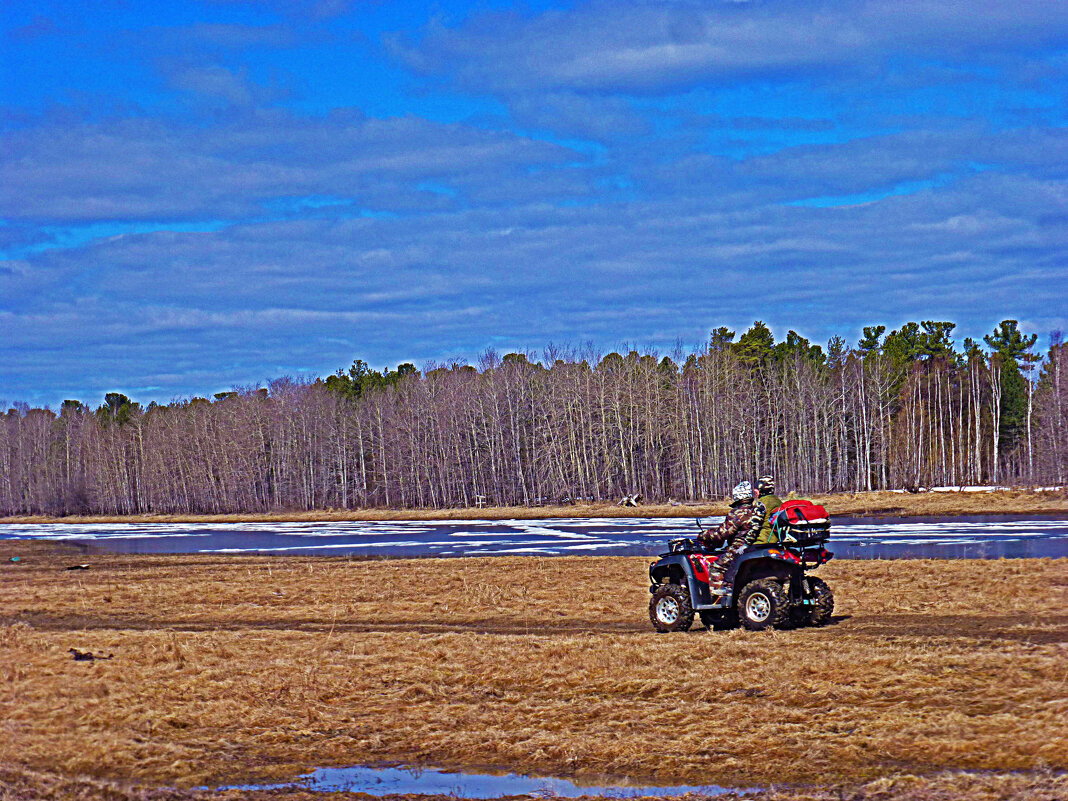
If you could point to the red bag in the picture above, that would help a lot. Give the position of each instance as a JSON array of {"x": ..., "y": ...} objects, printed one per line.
[{"x": 802, "y": 511}]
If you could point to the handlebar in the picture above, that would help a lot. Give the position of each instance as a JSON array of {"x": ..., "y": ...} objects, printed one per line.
[{"x": 689, "y": 544}]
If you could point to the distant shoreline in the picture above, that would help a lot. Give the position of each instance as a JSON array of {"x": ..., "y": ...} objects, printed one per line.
[{"x": 861, "y": 504}]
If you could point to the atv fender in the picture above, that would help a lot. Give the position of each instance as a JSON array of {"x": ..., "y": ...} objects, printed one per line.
[
  {"x": 675, "y": 568},
  {"x": 763, "y": 563}
]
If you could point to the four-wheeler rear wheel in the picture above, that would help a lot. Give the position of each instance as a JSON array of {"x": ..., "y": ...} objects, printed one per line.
[
  {"x": 670, "y": 608},
  {"x": 762, "y": 604},
  {"x": 823, "y": 607}
]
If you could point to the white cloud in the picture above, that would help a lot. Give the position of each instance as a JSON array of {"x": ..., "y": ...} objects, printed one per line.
[{"x": 644, "y": 46}]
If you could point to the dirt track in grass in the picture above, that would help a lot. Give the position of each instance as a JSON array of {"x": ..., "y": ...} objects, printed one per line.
[
  {"x": 232, "y": 668},
  {"x": 987, "y": 628}
]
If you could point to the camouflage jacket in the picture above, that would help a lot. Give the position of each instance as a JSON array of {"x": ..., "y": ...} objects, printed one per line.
[{"x": 741, "y": 524}]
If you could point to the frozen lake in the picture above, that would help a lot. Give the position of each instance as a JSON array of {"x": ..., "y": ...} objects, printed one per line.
[{"x": 969, "y": 537}]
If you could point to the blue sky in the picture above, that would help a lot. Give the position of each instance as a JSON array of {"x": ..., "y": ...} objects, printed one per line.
[{"x": 197, "y": 196}]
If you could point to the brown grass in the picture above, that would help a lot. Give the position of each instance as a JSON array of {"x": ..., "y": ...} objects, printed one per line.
[
  {"x": 233, "y": 668},
  {"x": 1020, "y": 501},
  {"x": 21, "y": 784}
]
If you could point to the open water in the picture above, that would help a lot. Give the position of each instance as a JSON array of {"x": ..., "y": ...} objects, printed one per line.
[{"x": 967, "y": 537}]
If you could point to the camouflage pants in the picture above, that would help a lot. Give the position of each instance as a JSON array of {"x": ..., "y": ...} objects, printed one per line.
[{"x": 723, "y": 564}]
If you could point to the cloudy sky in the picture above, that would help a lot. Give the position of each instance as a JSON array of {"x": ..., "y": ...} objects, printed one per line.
[{"x": 199, "y": 195}]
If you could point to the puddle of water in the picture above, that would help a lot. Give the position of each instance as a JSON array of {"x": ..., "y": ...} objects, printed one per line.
[{"x": 427, "y": 781}]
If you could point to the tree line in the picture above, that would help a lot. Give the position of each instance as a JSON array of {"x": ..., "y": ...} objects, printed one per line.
[{"x": 901, "y": 409}]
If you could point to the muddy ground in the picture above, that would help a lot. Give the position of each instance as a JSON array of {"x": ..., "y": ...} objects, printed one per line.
[{"x": 227, "y": 669}]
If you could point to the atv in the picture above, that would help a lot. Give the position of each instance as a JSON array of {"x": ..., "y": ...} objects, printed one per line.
[{"x": 766, "y": 586}]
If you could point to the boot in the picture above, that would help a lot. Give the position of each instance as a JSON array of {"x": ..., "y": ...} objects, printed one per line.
[{"x": 716, "y": 583}]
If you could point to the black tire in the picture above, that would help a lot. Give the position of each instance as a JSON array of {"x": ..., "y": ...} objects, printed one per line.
[
  {"x": 719, "y": 620},
  {"x": 670, "y": 608},
  {"x": 821, "y": 611},
  {"x": 763, "y": 604}
]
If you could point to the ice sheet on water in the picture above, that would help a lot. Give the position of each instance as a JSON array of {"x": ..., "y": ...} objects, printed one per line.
[
  {"x": 307, "y": 547},
  {"x": 547, "y": 531},
  {"x": 853, "y": 537}
]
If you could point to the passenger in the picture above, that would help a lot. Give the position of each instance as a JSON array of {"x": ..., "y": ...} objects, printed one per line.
[
  {"x": 767, "y": 502},
  {"x": 736, "y": 530}
]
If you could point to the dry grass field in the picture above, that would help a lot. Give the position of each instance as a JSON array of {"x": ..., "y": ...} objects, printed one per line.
[
  {"x": 20, "y": 784},
  {"x": 1017, "y": 501},
  {"x": 230, "y": 669}
]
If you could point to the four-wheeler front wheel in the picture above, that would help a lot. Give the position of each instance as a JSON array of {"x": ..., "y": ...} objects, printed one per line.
[
  {"x": 670, "y": 608},
  {"x": 762, "y": 604}
]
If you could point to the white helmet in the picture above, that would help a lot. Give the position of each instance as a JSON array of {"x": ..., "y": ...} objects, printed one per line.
[{"x": 743, "y": 492}]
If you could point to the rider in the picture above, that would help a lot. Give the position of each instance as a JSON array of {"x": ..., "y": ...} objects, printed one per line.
[
  {"x": 766, "y": 503},
  {"x": 736, "y": 530}
]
